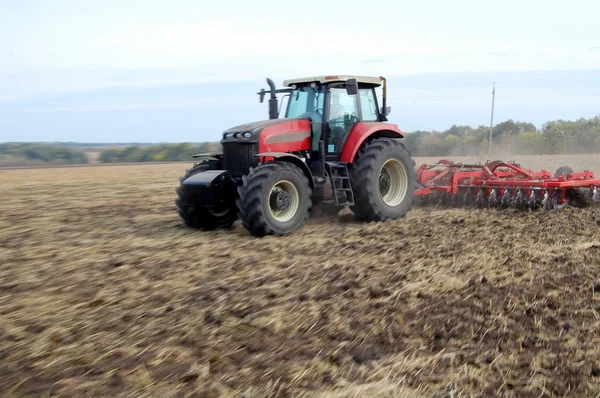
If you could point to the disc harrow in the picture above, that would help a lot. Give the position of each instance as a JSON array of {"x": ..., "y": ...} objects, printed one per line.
[{"x": 499, "y": 184}]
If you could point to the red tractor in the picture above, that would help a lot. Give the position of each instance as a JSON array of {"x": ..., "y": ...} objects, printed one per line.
[{"x": 333, "y": 146}]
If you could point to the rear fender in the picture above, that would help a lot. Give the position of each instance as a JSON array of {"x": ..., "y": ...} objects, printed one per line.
[
  {"x": 363, "y": 132},
  {"x": 288, "y": 157}
]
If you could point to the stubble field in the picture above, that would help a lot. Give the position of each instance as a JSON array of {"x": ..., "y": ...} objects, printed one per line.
[{"x": 103, "y": 292}]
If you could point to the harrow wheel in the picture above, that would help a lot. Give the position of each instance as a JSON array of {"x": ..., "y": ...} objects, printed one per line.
[
  {"x": 200, "y": 217},
  {"x": 563, "y": 171},
  {"x": 579, "y": 197}
]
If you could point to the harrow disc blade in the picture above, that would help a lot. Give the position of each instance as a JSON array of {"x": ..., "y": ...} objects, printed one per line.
[
  {"x": 506, "y": 199},
  {"x": 480, "y": 200},
  {"x": 546, "y": 201},
  {"x": 468, "y": 199},
  {"x": 521, "y": 200},
  {"x": 533, "y": 202},
  {"x": 445, "y": 199},
  {"x": 493, "y": 199}
]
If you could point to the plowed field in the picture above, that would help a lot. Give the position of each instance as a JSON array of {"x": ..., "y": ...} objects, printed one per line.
[{"x": 103, "y": 292}]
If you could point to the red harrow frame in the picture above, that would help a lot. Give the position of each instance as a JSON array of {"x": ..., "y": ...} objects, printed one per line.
[{"x": 504, "y": 184}]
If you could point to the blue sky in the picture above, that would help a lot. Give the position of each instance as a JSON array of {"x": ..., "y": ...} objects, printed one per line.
[{"x": 155, "y": 71}]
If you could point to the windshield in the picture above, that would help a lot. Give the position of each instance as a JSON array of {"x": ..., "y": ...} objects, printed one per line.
[{"x": 306, "y": 102}]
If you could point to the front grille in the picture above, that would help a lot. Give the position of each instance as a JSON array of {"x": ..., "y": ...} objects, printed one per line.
[{"x": 239, "y": 157}]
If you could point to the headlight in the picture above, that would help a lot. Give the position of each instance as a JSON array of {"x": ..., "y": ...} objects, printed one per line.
[
  {"x": 237, "y": 135},
  {"x": 247, "y": 134},
  {"x": 228, "y": 136}
]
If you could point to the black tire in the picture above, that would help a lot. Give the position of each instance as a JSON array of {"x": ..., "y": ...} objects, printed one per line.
[
  {"x": 579, "y": 197},
  {"x": 563, "y": 171},
  {"x": 556, "y": 196},
  {"x": 365, "y": 174},
  {"x": 255, "y": 198},
  {"x": 200, "y": 217}
]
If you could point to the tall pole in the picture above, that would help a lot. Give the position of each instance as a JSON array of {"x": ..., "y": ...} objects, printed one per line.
[{"x": 491, "y": 122}]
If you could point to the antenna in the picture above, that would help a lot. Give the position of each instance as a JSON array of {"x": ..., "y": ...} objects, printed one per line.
[{"x": 492, "y": 122}]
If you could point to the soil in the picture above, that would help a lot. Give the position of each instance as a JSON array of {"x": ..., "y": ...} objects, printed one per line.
[{"x": 104, "y": 292}]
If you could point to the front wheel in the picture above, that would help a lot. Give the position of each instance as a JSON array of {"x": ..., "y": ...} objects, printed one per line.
[
  {"x": 200, "y": 217},
  {"x": 383, "y": 180},
  {"x": 274, "y": 198}
]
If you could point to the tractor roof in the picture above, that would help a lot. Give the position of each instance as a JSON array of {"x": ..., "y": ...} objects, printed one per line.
[{"x": 375, "y": 81}]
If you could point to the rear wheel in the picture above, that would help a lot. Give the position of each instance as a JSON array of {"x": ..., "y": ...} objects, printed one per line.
[
  {"x": 383, "y": 180},
  {"x": 274, "y": 198},
  {"x": 201, "y": 217}
]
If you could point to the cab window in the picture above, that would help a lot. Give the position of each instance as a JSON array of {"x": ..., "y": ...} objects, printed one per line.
[{"x": 367, "y": 105}]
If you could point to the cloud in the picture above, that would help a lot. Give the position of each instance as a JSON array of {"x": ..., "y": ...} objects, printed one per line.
[{"x": 594, "y": 49}]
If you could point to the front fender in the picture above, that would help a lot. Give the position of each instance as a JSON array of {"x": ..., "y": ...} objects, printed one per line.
[
  {"x": 288, "y": 157},
  {"x": 213, "y": 155},
  {"x": 209, "y": 188},
  {"x": 363, "y": 131}
]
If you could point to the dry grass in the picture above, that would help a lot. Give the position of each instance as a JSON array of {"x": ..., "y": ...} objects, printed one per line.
[{"x": 103, "y": 292}]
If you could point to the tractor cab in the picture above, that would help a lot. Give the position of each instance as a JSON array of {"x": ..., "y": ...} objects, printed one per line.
[{"x": 334, "y": 105}]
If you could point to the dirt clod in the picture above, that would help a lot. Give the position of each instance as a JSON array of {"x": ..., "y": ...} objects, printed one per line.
[{"x": 115, "y": 262}]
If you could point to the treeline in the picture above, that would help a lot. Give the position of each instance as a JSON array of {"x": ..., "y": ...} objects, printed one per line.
[
  {"x": 34, "y": 154},
  {"x": 510, "y": 137},
  {"x": 157, "y": 153}
]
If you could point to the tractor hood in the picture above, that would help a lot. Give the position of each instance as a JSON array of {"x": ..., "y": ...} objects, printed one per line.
[{"x": 253, "y": 128}]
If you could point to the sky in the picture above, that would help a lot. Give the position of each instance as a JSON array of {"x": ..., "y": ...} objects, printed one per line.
[{"x": 156, "y": 71}]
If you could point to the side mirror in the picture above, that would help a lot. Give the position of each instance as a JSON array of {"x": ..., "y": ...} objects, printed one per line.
[
  {"x": 351, "y": 87},
  {"x": 262, "y": 95},
  {"x": 385, "y": 111}
]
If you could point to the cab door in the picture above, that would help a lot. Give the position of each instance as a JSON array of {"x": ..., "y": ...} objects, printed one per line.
[
  {"x": 342, "y": 116},
  {"x": 344, "y": 112}
]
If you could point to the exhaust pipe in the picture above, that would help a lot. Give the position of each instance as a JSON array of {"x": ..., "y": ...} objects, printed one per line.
[{"x": 273, "y": 108}]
